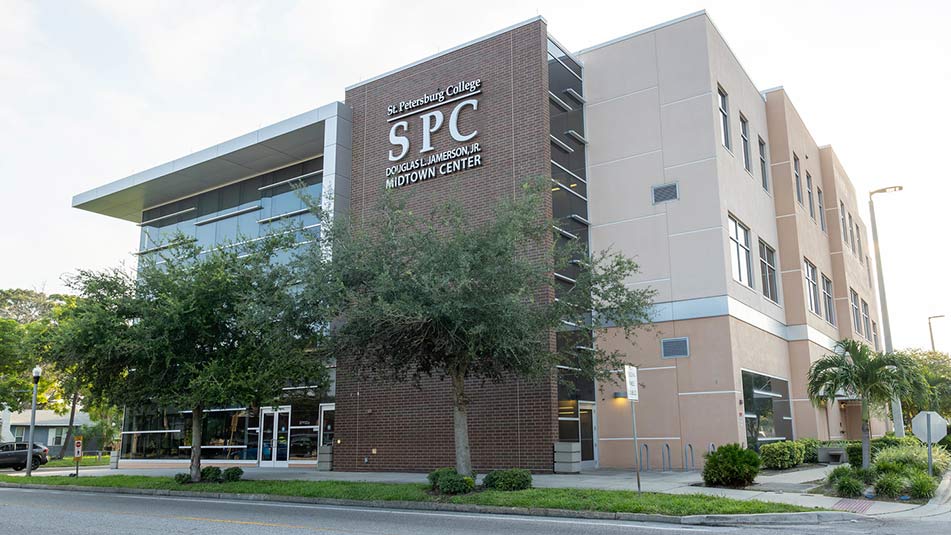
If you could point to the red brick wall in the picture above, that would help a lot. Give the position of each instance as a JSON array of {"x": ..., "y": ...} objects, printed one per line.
[{"x": 512, "y": 424}]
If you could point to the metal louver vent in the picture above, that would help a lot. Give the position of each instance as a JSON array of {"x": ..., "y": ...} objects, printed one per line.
[
  {"x": 672, "y": 348},
  {"x": 665, "y": 193}
]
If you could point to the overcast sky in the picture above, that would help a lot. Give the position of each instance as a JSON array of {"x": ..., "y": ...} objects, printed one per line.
[{"x": 92, "y": 91}]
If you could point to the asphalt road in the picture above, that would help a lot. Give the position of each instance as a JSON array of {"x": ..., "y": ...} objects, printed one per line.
[{"x": 80, "y": 513}]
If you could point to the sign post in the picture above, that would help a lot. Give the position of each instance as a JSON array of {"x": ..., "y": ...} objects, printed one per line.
[
  {"x": 630, "y": 378},
  {"x": 930, "y": 428},
  {"x": 78, "y": 453}
]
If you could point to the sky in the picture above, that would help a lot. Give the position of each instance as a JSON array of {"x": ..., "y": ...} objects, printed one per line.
[{"x": 94, "y": 90}]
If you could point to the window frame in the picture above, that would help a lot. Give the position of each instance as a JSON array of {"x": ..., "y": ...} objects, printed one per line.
[
  {"x": 763, "y": 164},
  {"x": 828, "y": 299},
  {"x": 866, "y": 320},
  {"x": 856, "y": 314},
  {"x": 820, "y": 201},
  {"x": 739, "y": 251},
  {"x": 745, "y": 141},
  {"x": 812, "y": 287},
  {"x": 812, "y": 203},
  {"x": 767, "y": 265},
  {"x": 797, "y": 175},
  {"x": 851, "y": 233},
  {"x": 723, "y": 103}
]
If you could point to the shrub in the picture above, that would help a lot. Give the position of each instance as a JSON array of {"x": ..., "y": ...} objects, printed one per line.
[
  {"x": 838, "y": 473},
  {"x": 731, "y": 465},
  {"x": 232, "y": 474},
  {"x": 921, "y": 486},
  {"x": 849, "y": 487},
  {"x": 915, "y": 457},
  {"x": 514, "y": 479},
  {"x": 782, "y": 455},
  {"x": 853, "y": 450},
  {"x": 889, "y": 467},
  {"x": 436, "y": 475},
  {"x": 890, "y": 485},
  {"x": 454, "y": 483},
  {"x": 183, "y": 478},
  {"x": 211, "y": 474},
  {"x": 867, "y": 475},
  {"x": 810, "y": 449}
]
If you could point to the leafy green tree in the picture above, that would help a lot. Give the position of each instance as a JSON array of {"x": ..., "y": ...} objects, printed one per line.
[
  {"x": 25, "y": 306},
  {"x": 875, "y": 378},
  {"x": 193, "y": 329},
  {"x": 15, "y": 386},
  {"x": 936, "y": 369},
  {"x": 439, "y": 294}
]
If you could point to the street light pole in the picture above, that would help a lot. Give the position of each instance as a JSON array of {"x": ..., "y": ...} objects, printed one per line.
[
  {"x": 931, "y": 332},
  {"x": 29, "y": 442},
  {"x": 886, "y": 326}
]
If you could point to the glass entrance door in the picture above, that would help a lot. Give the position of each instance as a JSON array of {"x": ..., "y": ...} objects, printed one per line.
[
  {"x": 588, "y": 435},
  {"x": 275, "y": 429}
]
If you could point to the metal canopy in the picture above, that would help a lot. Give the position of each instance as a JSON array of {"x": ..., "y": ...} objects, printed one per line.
[{"x": 266, "y": 149}]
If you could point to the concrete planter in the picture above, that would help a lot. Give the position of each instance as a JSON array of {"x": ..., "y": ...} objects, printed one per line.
[
  {"x": 832, "y": 455},
  {"x": 567, "y": 457},
  {"x": 325, "y": 458}
]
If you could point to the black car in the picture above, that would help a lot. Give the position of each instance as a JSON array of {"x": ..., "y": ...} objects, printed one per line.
[{"x": 13, "y": 455}]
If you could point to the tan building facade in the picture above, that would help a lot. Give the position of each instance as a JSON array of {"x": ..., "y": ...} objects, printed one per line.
[{"x": 733, "y": 213}]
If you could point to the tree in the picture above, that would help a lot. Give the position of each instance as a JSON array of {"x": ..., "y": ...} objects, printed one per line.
[
  {"x": 440, "y": 294},
  {"x": 936, "y": 370},
  {"x": 15, "y": 386},
  {"x": 875, "y": 378},
  {"x": 193, "y": 329},
  {"x": 25, "y": 306}
]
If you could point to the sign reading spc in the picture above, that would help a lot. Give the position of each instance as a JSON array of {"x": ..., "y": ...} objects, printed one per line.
[{"x": 458, "y": 158}]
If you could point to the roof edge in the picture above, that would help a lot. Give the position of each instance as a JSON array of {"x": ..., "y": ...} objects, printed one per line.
[
  {"x": 447, "y": 51},
  {"x": 642, "y": 32}
]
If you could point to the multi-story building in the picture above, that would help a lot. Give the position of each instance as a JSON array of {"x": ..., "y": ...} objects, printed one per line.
[{"x": 658, "y": 145}]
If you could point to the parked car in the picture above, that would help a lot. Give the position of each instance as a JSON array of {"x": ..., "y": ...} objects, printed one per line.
[{"x": 14, "y": 455}]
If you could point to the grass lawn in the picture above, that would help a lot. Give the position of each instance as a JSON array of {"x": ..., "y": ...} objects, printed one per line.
[
  {"x": 570, "y": 499},
  {"x": 67, "y": 462}
]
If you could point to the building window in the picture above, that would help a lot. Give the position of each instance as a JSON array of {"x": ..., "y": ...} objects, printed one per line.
[
  {"x": 875, "y": 336},
  {"x": 822, "y": 209},
  {"x": 58, "y": 435},
  {"x": 724, "y": 118},
  {"x": 798, "y": 178},
  {"x": 766, "y": 409},
  {"x": 747, "y": 149},
  {"x": 812, "y": 205},
  {"x": 856, "y": 315},
  {"x": 851, "y": 234},
  {"x": 18, "y": 434},
  {"x": 740, "y": 252},
  {"x": 858, "y": 242},
  {"x": 763, "y": 166},
  {"x": 845, "y": 229},
  {"x": 767, "y": 265},
  {"x": 866, "y": 321},
  {"x": 827, "y": 300},
  {"x": 812, "y": 286}
]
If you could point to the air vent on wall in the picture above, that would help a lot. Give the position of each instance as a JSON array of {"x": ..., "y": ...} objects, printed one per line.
[
  {"x": 665, "y": 193},
  {"x": 673, "y": 348}
]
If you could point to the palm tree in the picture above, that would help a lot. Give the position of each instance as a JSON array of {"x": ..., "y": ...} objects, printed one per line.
[{"x": 875, "y": 378}]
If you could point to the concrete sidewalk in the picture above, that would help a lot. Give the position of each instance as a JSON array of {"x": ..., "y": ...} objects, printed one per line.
[{"x": 784, "y": 487}]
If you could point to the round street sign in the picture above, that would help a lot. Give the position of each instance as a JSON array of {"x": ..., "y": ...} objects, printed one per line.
[{"x": 920, "y": 424}]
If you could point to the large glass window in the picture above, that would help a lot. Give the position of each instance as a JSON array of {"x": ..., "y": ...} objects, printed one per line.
[
  {"x": 767, "y": 264},
  {"x": 763, "y": 165},
  {"x": 724, "y": 103},
  {"x": 798, "y": 177},
  {"x": 740, "y": 252},
  {"x": 866, "y": 320},
  {"x": 827, "y": 300},
  {"x": 766, "y": 409},
  {"x": 845, "y": 229},
  {"x": 822, "y": 209},
  {"x": 856, "y": 314},
  {"x": 747, "y": 149},
  {"x": 812, "y": 205},
  {"x": 851, "y": 234},
  {"x": 812, "y": 286}
]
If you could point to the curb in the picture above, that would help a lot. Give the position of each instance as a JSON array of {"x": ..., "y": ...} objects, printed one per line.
[{"x": 818, "y": 517}]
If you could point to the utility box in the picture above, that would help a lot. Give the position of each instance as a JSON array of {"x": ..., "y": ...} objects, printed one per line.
[
  {"x": 113, "y": 460},
  {"x": 325, "y": 458}
]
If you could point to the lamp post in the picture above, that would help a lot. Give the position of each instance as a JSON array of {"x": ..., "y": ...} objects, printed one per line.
[
  {"x": 931, "y": 332},
  {"x": 886, "y": 327},
  {"x": 29, "y": 442}
]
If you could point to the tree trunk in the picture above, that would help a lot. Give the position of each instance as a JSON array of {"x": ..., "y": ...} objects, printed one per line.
[
  {"x": 866, "y": 436},
  {"x": 195, "y": 468},
  {"x": 69, "y": 430},
  {"x": 460, "y": 422}
]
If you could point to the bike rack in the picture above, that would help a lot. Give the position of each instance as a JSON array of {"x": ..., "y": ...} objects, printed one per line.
[
  {"x": 688, "y": 454},
  {"x": 666, "y": 463},
  {"x": 644, "y": 453},
  {"x": 711, "y": 448}
]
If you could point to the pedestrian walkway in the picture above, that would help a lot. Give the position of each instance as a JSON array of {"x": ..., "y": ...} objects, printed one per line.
[{"x": 789, "y": 486}]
